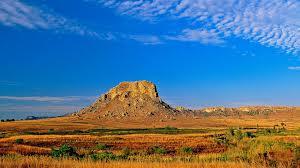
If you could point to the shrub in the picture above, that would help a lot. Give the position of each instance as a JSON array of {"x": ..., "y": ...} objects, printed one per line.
[
  {"x": 186, "y": 150},
  {"x": 102, "y": 147},
  {"x": 170, "y": 128},
  {"x": 231, "y": 131},
  {"x": 157, "y": 150},
  {"x": 238, "y": 135},
  {"x": 64, "y": 151},
  {"x": 223, "y": 157},
  {"x": 19, "y": 141},
  {"x": 222, "y": 140},
  {"x": 249, "y": 135},
  {"x": 104, "y": 156}
]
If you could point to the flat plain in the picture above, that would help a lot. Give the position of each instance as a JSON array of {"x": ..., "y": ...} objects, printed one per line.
[{"x": 246, "y": 141}]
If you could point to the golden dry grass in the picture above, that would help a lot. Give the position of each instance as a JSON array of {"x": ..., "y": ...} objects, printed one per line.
[
  {"x": 203, "y": 143},
  {"x": 43, "y": 162},
  {"x": 117, "y": 142}
]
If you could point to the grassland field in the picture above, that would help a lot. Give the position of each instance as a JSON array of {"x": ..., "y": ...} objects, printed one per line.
[
  {"x": 201, "y": 142},
  {"x": 53, "y": 143}
]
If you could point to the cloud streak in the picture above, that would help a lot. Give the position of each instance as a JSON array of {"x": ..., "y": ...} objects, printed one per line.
[
  {"x": 203, "y": 36},
  {"x": 269, "y": 23},
  {"x": 16, "y": 13},
  {"x": 48, "y": 98},
  {"x": 145, "y": 39},
  {"x": 46, "y": 108},
  {"x": 295, "y": 68}
]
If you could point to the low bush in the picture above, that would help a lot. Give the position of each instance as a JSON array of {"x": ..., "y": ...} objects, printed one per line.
[
  {"x": 64, "y": 151},
  {"x": 102, "y": 147},
  {"x": 222, "y": 140},
  {"x": 223, "y": 157},
  {"x": 19, "y": 141},
  {"x": 170, "y": 128},
  {"x": 249, "y": 135},
  {"x": 157, "y": 150},
  {"x": 104, "y": 156},
  {"x": 186, "y": 150},
  {"x": 51, "y": 130}
]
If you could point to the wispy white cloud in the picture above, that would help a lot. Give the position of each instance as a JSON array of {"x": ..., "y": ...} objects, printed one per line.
[
  {"x": 48, "y": 98},
  {"x": 13, "y": 12},
  {"x": 145, "y": 39},
  {"x": 16, "y": 13},
  {"x": 45, "y": 108},
  {"x": 270, "y": 23},
  {"x": 296, "y": 68},
  {"x": 203, "y": 36},
  {"x": 142, "y": 9}
]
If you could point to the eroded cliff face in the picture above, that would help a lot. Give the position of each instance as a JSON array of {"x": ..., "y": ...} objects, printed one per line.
[
  {"x": 132, "y": 90},
  {"x": 138, "y": 99}
]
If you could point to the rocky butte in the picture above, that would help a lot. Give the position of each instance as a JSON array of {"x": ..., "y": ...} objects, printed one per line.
[{"x": 136, "y": 100}]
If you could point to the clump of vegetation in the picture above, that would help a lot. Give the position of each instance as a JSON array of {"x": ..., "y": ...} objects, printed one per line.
[
  {"x": 277, "y": 129},
  {"x": 104, "y": 156},
  {"x": 223, "y": 157},
  {"x": 51, "y": 130},
  {"x": 108, "y": 156},
  {"x": 102, "y": 146},
  {"x": 64, "y": 151},
  {"x": 249, "y": 135},
  {"x": 157, "y": 150},
  {"x": 8, "y": 120},
  {"x": 170, "y": 128},
  {"x": 247, "y": 147},
  {"x": 233, "y": 136},
  {"x": 19, "y": 141},
  {"x": 186, "y": 150}
]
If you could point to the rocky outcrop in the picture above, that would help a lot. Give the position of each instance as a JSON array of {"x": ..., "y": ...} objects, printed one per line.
[
  {"x": 244, "y": 110},
  {"x": 138, "y": 99}
]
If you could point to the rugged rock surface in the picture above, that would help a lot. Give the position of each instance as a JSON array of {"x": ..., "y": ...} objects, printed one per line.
[
  {"x": 138, "y": 99},
  {"x": 244, "y": 110}
]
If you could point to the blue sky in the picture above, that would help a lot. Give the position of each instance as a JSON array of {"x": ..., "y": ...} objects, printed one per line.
[{"x": 58, "y": 56}]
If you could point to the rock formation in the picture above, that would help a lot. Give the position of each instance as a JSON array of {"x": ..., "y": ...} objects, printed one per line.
[{"x": 138, "y": 99}]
